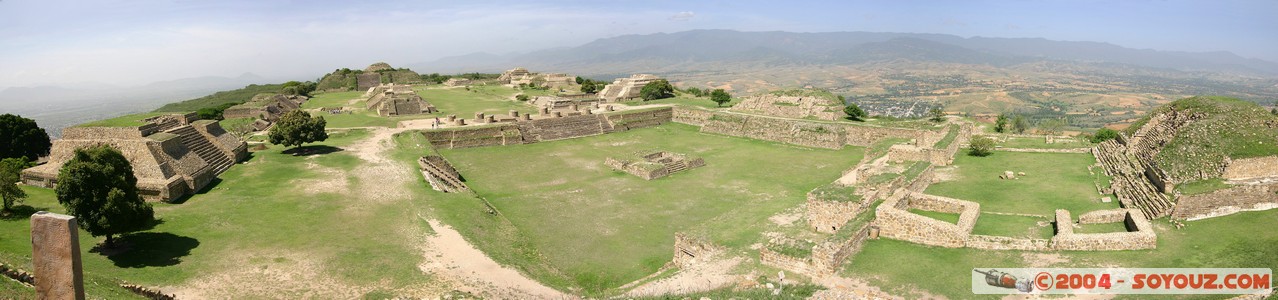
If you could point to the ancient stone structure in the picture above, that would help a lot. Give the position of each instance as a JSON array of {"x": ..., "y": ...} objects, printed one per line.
[
  {"x": 545, "y": 128},
  {"x": 626, "y": 88},
  {"x": 397, "y": 100},
  {"x": 689, "y": 251},
  {"x": 895, "y": 221},
  {"x": 928, "y": 147},
  {"x": 1251, "y": 168},
  {"x": 171, "y": 156},
  {"x": 521, "y": 76},
  {"x": 1139, "y": 235},
  {"x": 790, "y": 131},
  {"x": 1131, "y": 180},
  {"x": 651, "y": 165},
  {"x": 55, "y": 255},
  {"x": 267, "y": 107},
  {"x": 440, "y": 174},
  {"x": 792, "y": 107},
  {"x": 825, "y": 257},
  {"x": 457, "y": 82},
  {"x": 563, "y": 104},
  {"x": 366, "y": 81},
  {"x": 1248, "y": 197}
]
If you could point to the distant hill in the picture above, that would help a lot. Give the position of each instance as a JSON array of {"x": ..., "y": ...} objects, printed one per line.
[
  {"x": 662, "y": 50},
  {"x": 235, "y": 96},
  {"x": 57, "y": 107}
]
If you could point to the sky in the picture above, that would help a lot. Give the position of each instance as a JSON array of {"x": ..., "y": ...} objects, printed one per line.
[{"x": 58, "y": 42}]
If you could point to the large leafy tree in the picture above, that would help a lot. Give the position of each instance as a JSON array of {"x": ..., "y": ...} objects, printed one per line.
[
  {"x": 936, "y": 114},
  {"x": 719, "y": 96},
  {"x": 589, "y": 87},
  {"x": 298, "y": 127},
  {"x": 1000, "y": 124},
  {"x": 97, "y": 186},
  {"x": 10, "y": 170},
  {"x": 21, "y": 137},
  {"x": 658, "y": 89}
]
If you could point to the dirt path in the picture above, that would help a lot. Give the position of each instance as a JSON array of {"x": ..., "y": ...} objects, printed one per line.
[
  {"x": 697, "y": 278},
  {"x": 446, "y": 253}
]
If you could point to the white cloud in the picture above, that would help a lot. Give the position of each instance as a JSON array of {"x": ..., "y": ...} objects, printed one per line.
[{"x": 683, "y": 16}]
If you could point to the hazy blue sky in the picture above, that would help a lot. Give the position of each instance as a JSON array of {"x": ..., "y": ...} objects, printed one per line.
[{"x": 135, "y": 42}]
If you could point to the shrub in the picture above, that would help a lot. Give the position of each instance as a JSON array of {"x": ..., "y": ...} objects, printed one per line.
[{"x": 980, "y": 146}]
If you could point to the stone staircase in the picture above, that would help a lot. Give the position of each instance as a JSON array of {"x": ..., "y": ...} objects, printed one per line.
[
  {"x": 676, "y": 166},
  {"x": 440, "y": 179},
  {"x": 196, "y": 142},
  {"x": 1129, "y": 182}
]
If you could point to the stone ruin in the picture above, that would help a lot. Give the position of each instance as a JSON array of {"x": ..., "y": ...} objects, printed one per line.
[
  {"x": 457, "y": 82},
  {"x": 689, "y": 251},
  {"x": 895, "y": 221},
  {"x": 1139, "y": 235},
  {"x": 379, "y": 73},
  {"x": 1244, "y": 197},
  {"x": 516, "y": 128},
  {"x": 1132, "y": 181},
  {"x": 172, "y": 155},
  {"x": 520, "y": 76},
  {"x": 397, "y": 100},
  {"x": 441, "y": 175},
  {"x": 654, "y": 164},
  {"x": 565, "y": 104},
  {"x": 626, "y": 88},
  {"x": 792, "y": 107},
  {"x": 266, "y": 107}
]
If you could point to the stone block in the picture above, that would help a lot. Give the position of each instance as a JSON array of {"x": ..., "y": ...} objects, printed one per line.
[{"x": 55, "y": 256}]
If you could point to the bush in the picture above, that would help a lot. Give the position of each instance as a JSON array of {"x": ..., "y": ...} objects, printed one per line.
[
  {"x": 980, "y": 146},
  {"x": 521, "y": 97},
  {"x": 719, "y": 96},
  {"x": 659, "y": 89}
]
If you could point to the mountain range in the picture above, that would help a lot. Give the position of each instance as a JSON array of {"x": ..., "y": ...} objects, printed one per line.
[{"x": 667, "y": 52}]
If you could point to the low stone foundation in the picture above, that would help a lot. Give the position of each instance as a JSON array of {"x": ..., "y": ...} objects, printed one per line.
[
  {"x": 1139, "y": 235},
  {"x": 896, "y": 222},
  {"x": 689, "y": 251},
  {"x": 1226, "y": 202},
  {"x": 656, "y": 164},
  {"x": 526, "y": 130}
]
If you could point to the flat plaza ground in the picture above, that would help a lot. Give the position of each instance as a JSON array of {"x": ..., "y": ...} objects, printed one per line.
[{"x": 601, "y": 228}]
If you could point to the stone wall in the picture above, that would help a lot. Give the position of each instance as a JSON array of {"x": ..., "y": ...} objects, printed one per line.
[
  {"x": 1251, "y": 168},
  {"x": 790, "y": 131},
  {"x": 828, "y": 216},
  {"x": 1139, "y": 235},
  {"x": 1129, "y": 180},
  {"x": 989, "y": 242},
  {"x": 791, "y": 107},
  {"x": 801, "y": 265},
  {"x": 545, "y": 128},
  {"x": 828, "y": 256},
  {"x": 86, "y": 133},
  {"x": 896, "y": 222},
  {"x": 1225, "y": 202},
  {"x": 689, "y": 250}
]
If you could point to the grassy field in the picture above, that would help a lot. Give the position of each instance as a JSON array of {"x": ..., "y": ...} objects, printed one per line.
[
  {"x": 1040, "y": 143},
  {"x": 487, "y": 99},
  {"x": 578, "y": 225},
  {"x": 1052, "y": 181},
  {"x": 911, "y": 270},
  {"x": 277, "y": 212},
  {"x": 1012, "y": 226},
  {"x": 334, "y": 99},
  {"x": 946, "y": 217}
]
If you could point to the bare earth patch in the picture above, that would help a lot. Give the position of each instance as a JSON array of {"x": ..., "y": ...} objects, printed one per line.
[
  {"x": 468, "y": 269},
  {"x": 697, "y": 278}
]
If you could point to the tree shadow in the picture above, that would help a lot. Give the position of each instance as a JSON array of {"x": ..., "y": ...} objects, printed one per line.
[
  {"x": 148, "y": 249},
  {"x": 20, "y": 212},
  {"x": 311, "y": 150}
]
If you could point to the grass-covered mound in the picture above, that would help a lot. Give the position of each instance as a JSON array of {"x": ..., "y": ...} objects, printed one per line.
[
  {"x": 814, "y": 93},
  {"x": 1225, "y": 127},
  {"x": 223, "y": 98}
]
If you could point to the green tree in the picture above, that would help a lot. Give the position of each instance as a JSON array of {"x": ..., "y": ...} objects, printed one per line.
[
  {"x": 855, "y": 112},
  {"x": 298, "y": 88},
  {"x": 659, "y": 89},
  {"x": 580, "y": 80},
  {"x": 521, "y": 97},
  {"x": 1274, "y": 111},
  {"x": 1053, "y": 126},
  {"x": 695, "y": 92},
  {"x": 296, "y": 128},
  {"x": 1104, "y": 134},
  {"x": 97, "y": 186},
  {"x": 1000, "y": 124},
  {"x": 1019, "y": 124},
  {"x": 10, "y": 173},
  {"x": 980, "y": 146},
  {"x": 936, "y": 114},
  {"x": 21, "y": 137},
  {"x": 589, "y": 87},
  {"x": 719, "y": 96}
]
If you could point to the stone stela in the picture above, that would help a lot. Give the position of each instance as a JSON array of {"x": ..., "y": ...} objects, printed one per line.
[{"x": 55, "y": 255}]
